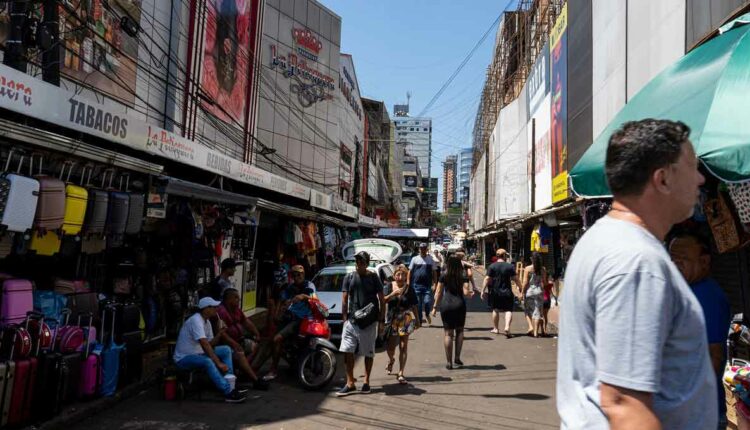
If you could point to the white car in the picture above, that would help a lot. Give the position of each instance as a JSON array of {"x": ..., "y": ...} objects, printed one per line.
[{"x": 328, "y": 282}]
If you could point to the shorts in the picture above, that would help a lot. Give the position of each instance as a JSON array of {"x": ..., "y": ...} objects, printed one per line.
[
  {"x": 501, "y": 303},
  {"x": 547, "y": 304},
  {"x": 359, "y": 341}
]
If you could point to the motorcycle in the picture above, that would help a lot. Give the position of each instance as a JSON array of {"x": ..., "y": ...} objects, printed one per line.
[{"x": 311, "y": 354}]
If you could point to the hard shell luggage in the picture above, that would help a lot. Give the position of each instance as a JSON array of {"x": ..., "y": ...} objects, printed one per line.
[
  {"x": 89, "y": 331},
  {"x": 83, "y": 303},
  {"x": 117, "y": 215},
  {"x": 49, "y": 385},
  {"x": 70, "y": 358},
  {"x": 50, "y": 303},
  {"x": 135, "y": 214},
  {"x": 66, "y": 287},
  {"x": 20, "y": 201},
  {"x": 45, "y": 243},
  {"x": 131, "y": 366},
  {"x": 91, "y": 366},
  {"x": 97, "y": 205},
  {"x": 17, "y": 300},
  {"x": 50, "y": 210},
  {"x": 76, "y": 199},
  {"x": 23, "y": 387},
  {"x": 7, "y": 375},
  {"x": 110, "y": 357},
  {"x": 69, "y": 338}
]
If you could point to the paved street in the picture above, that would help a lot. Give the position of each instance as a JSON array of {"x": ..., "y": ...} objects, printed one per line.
[{"x": 505, "y": 384}]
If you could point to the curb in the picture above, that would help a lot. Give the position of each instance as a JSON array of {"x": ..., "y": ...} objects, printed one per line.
[{"x": 80, "y": 411}]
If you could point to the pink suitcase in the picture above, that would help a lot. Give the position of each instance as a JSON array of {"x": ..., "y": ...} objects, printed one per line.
[
  {"x": 18, "y": 299},
  {"x": 90, "y": 366}
]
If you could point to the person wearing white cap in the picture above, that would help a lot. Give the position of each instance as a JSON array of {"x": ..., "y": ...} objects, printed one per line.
[{"x": 196, "y": 349}]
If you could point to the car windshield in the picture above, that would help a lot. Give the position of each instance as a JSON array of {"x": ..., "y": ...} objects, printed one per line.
[{"x": 329, "y": 281}]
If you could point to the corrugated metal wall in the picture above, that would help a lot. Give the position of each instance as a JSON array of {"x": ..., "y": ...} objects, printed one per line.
[{"x": 580, "y": 108}]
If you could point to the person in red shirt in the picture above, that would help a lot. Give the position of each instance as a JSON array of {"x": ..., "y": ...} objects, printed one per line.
[{"x": 237, "y": 325}]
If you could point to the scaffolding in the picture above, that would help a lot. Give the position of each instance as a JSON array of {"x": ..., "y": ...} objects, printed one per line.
[{"x": 521, "y": 37}]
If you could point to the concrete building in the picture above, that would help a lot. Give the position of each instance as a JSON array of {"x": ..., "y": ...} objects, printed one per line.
[
  {"x": 464, "y": 175},
  {"x": 411, "y": 196},
  {"x": 351, "y": 132},
  {"x": 378, "y": 197},
  {"x": 416, "y": 135},
  {"x": 450, "y": 173}
]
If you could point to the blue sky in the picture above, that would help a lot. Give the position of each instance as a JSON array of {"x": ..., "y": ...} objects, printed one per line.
[{"x": 415, "y": 46}]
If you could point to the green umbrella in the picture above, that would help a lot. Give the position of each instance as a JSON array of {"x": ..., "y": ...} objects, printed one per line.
[{"x": 707, "y": 89}]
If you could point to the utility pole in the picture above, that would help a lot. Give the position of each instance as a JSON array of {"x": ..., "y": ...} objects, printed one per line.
[
  {"x": 50, "y": 43},
  {"x": 15, "y": 51}
]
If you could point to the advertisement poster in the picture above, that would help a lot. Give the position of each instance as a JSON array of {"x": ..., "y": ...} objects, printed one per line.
[
  {"x": 559, "y": 116},
  {"x": 226, "y": 58},
  {"x": 94, "y": 49}
]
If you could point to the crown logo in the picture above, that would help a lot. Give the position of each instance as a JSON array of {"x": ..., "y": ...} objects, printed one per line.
[{"x": 305, "y": 39}]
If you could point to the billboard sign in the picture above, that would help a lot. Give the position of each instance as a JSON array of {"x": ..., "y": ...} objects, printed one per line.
[{"x": 559, "y": 109}]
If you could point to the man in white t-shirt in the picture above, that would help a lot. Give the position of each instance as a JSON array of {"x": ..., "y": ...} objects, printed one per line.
[{"x": 197, "y": 349}]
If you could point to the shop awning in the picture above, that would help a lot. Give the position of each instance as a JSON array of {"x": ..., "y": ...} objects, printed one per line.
[
  {"x": 301, "y": 214},
  {"x": 192, "y": 190},
  {"x": 405, "y": 233},
  {"x": 707, "y": 89}
]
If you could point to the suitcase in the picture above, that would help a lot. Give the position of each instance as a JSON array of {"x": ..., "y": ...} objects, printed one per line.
[
  {"x": 49, "y": 385},
  {"x": 66, "y": 287},
  {"x": 50, "y": 303},
  {"x": 76, "y": 199},
  {"x": 20, "y": 199},
  {"x": 6, "y": 243},
  {"x": 50, "y": 209},
  {"x": 83, "y": 303},
  {"x": 97, "y": 205},
  {"x": 45, "y": 243},
  {"x": 23, "y": 387},
  {"x": 7, "y": 375},
  {"x": 131, "y": 361},
  {"x": 117, "y": 214},
  {"x": 89, "y": 331},
  {"x": 135, "y": 214},
  {"x": 110, "y": 357},
  {"x": 90, "y": 366},
  {"x": 17, "y": 300},
  {"x": 69, "y": 338}
]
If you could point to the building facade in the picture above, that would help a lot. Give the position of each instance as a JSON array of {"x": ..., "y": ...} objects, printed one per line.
[
  {"x": 450, "y": 176},
  {"x": 464, "y": 175},
  {"x": 416, "y": 135},
  {"x": 351, "y": 132}
]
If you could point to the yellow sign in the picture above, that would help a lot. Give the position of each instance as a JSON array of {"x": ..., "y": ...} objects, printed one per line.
[
  {"x": 561, "y": 24},
  {"x": 560, "y": 187}
]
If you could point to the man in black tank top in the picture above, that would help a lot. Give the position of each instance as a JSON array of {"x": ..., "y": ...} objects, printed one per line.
[{"x": 498, "y": 290}]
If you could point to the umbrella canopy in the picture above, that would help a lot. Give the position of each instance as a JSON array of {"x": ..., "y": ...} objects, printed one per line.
[{"x": 708, "y": 90}]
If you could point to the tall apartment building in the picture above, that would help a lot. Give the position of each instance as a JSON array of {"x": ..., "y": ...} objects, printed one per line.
[
  {"x": 450, "y": 169},
  {"x": 463, "y": 175},
  {"x": 416, "y": 135}
]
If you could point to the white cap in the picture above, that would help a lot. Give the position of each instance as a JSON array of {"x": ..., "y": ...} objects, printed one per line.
[{"x": 206, "y": 302}]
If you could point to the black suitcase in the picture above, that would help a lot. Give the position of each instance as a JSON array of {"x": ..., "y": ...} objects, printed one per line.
[
  {"x": 50, "y": 387},
  {"x": 117, "y": 216},
  {"x": 131, "y": 361},
  {"x": 135, "y": 214}
]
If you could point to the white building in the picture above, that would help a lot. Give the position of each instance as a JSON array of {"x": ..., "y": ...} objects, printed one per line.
[
  {"x": 416, "y": 133},
  {"x": 464, "y": 174}
]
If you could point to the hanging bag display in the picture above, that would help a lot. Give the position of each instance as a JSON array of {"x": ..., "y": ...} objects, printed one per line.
[
  {"x": 728, "y": 234},
  {"x": 76, "y": 200},
  {"x": 136, "y": 209},
  {"x": 117, "y": 215},
  {"x": 50, "y": 210},
  {"x": 110, "y": 356}
]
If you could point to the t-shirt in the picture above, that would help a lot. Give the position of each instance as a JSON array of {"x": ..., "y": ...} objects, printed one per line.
[
  {"x": 501, "y": 274},
  {"x": 194, "y": 329},
  {"x": 300, "y": 309},
  {"x": 629, "y": 319},
  {"x": 718, "y": 316},
  {"x": 421, "y": 269},
  {"x": 235, "y": 321},
  {"x": 365, "y": 288}
]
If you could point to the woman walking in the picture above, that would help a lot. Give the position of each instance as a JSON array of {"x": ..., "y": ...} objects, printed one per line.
[
  {"x": 534, "y": 278},
  {"x": 401, "y": 312},
  {"x": 449, "y": 296}
]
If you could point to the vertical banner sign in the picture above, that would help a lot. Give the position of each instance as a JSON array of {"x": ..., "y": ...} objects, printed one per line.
[{"x": 559, "y": 117}]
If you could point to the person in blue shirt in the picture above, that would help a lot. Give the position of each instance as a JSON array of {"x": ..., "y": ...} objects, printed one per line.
[
  {"x": 423, "y": 278},
  {"x": 691, "y": 254}
]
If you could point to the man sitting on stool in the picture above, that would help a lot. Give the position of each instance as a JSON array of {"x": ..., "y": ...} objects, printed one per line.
[{"x": 196, "y": 349}]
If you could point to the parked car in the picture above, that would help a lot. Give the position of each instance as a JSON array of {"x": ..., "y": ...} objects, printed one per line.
[{"x": 328, "y": 282}]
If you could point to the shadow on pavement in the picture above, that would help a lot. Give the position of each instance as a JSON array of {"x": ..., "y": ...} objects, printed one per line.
[
  {"x": 429, "y": 379},
  {"x": 401, "y": 390},
  {"x": 484, "y": 367},
  {"x": 478, "y": 338},
  {"x": 522, "y": 396}
]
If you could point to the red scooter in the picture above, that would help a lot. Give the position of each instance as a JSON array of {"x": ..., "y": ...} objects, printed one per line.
[{"x": 311, "y": 352}]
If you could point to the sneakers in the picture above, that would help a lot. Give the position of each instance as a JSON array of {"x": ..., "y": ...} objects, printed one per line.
[
  {"x": 261, "y": 385},
  {"x": 458, "y": 362},
  {"x": 346, "y": 390},
  {"x": 235, "y": 397},
  {"x": 365, "y": 389}
]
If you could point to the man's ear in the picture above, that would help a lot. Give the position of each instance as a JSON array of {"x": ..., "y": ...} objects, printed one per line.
[{"x": 661, "y": 180}]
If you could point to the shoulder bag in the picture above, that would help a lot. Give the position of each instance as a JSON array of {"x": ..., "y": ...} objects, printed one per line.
[{"x": 364, "y": 316}]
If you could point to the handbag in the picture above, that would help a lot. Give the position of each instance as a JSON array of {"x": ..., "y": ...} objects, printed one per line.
[
  {"x": 740, "y": 194},
  {"x": 725, "y": 228},
  {"x": 363, "y": 317}
]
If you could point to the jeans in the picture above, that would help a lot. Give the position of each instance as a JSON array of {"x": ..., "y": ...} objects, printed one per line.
[
  {"x": 204, "y": 362},
  {"x": 425, "y": 299}
]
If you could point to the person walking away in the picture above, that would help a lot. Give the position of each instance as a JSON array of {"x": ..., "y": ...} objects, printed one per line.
[
  {"x": 364, "y": 316},
  {"x": 197, "y": 348},
  {"x": 236, "y": 326},
  {"x": 691, "y": 254},
  {"x": 439, "y": 261},
  {"x": 498, "y": 290},
  {"x": 547, "y": 304},
  {"x": 293, "y": 302},
  {"x": 449, "y": 297},
  {"x": 631, "y": 348},
  {"x": 422, "y": 277},
  {"x": 401, "y": 308},
  {"x": 534, "y": 278}
]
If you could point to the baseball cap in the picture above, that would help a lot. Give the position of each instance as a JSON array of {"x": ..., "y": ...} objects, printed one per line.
[
  {"x": 298, "y": 269},
  {"x": 208, "y": 302},
  {"x": 423, "y": 245},
  {"x": 362, "y": 255},
  {"x": 228, "y": 263}
]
